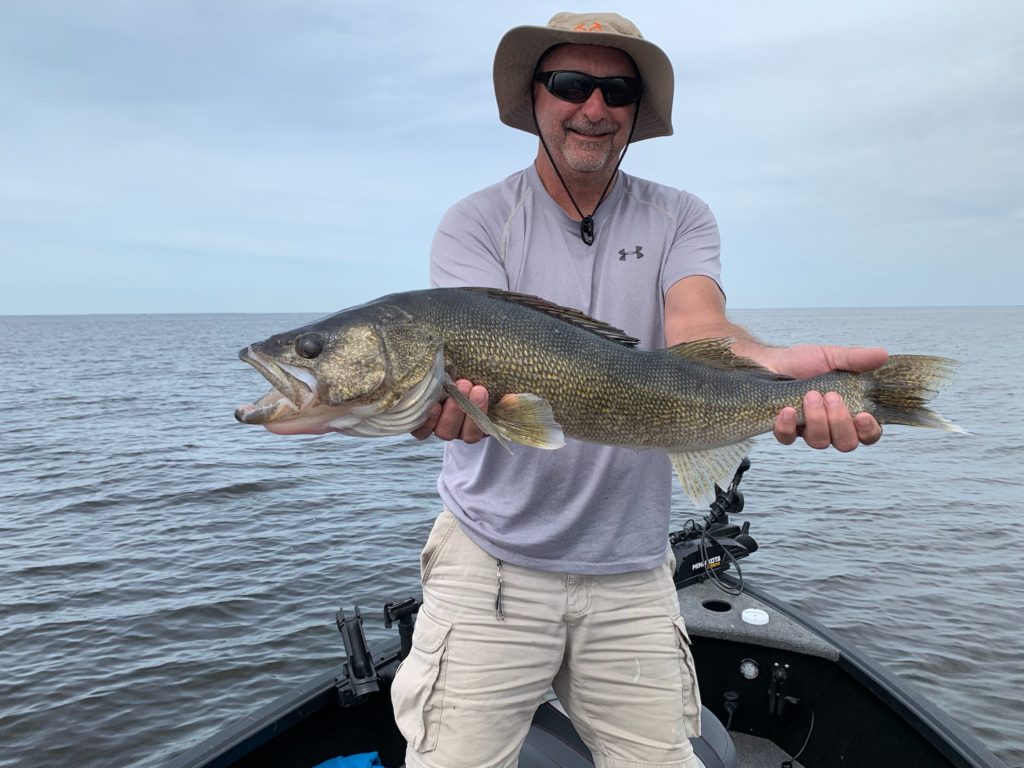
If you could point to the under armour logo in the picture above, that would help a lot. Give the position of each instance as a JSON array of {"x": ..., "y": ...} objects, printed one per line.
[
  {"x": 639, "y": 253},
  {"x": 595, "y": 26}
]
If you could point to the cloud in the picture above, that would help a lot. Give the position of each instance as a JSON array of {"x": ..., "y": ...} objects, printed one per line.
[{"x": 297, "y": 157}]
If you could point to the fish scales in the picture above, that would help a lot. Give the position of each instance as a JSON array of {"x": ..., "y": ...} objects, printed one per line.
[
  {"x": 605, "y": 392},
  {"x": 552, "y": 372}
]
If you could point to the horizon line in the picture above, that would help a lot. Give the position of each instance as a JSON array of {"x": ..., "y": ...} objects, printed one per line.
[{"x": 335, "y": 311}]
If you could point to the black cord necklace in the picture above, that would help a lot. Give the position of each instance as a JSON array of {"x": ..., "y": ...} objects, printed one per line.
[{"x": 586, "y": 221}]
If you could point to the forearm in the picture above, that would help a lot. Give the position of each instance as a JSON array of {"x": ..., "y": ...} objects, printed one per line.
[
  {"x": 744, "y": 343},
  {"x": 695, "y": 309}
]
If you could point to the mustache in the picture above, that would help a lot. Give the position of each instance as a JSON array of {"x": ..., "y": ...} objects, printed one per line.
[{"x": 588, "y": 128}]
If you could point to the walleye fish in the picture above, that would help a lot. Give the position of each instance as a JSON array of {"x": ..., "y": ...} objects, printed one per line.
[{"x": 552, "y": 373}]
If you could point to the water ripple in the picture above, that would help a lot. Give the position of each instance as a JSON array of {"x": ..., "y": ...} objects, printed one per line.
[{"x": 165, "y": 570}]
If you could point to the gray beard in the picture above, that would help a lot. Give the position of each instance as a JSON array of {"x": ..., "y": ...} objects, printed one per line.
[{"x": 584, "y": 161}]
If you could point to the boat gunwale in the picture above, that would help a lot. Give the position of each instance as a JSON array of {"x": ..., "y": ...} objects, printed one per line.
[
  {"x": 952, "y": 739},
  {"x": 949, "y": 737}
]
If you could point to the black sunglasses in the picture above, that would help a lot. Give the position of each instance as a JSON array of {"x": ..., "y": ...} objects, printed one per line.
[{"x": 618, "y": 91}]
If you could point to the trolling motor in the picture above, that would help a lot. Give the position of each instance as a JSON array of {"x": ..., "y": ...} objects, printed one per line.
[{"x": 704, "y": 551}]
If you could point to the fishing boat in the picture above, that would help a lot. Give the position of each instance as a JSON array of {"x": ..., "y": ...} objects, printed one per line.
[{"x": 778, "y": 689}]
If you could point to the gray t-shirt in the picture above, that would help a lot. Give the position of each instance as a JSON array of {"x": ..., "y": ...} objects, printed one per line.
[{"x": 584, "y": 508}]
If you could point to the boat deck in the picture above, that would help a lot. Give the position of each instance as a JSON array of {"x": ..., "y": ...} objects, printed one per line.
[
  {"x": 712, "y": 613},
  {"x": 754, "y": 752}
]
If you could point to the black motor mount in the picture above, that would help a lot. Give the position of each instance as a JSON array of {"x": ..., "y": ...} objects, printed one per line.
[{"x": 704, "y": 550}]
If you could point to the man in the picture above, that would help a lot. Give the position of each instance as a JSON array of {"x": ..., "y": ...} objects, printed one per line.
[{"x": 552, "y": 568}]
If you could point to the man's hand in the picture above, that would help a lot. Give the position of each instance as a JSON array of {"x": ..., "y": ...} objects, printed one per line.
[
  {"x": 695, "y": 309},
  {"x": 449, "y": 422},
  {"x": 827, "y": 421}
]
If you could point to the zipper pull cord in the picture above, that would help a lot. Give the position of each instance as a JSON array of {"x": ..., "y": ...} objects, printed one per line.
[{"x": 499, "y": 609}]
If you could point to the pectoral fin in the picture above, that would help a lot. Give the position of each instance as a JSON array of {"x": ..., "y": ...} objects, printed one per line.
[
  {"x": 698, "y": 471},
  {"x": 528, "y": 419},
  {"x": 520, "y": 418}
]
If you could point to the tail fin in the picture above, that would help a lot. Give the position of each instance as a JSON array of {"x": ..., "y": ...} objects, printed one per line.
[{"x": 902, "y": 387}]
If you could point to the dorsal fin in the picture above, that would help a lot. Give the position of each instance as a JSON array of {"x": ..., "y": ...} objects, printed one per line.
[
  {"x": 566, "y": 314},
  {"x": 717, "y": 354}
]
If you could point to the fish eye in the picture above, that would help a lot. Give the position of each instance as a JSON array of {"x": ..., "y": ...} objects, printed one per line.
[{"x": 309, "y": 345}]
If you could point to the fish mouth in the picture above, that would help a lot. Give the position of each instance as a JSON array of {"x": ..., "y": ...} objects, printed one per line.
[{"x": 293, "y": 390}]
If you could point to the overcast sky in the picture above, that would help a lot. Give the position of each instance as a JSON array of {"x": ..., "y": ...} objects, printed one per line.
[{"x": 297, "y": 156}]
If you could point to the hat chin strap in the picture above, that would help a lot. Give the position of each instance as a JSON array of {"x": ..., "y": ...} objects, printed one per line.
[{"x": 586, "y": 222}]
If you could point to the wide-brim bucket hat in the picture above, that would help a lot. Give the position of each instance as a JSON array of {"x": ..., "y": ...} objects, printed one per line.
[{"x": 516, "y": 59}]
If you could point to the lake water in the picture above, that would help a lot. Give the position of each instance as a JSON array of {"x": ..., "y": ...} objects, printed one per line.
[{"x": 164, "y": 569}]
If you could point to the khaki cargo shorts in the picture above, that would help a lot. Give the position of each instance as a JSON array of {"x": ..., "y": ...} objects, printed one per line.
[{"x": 492, "y": 639}]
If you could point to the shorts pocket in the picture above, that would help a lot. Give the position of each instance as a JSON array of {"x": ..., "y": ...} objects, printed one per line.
[
  {"x": 688, "y": 675},
  {"x": 417, "y": 693},
  {"x": 444, "y": 528}
]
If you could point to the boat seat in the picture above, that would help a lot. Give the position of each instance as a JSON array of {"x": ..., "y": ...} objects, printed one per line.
[{"x": 553, "y": 742}]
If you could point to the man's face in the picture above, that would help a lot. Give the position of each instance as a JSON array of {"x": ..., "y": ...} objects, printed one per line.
[{"x": 589, "y": 136}]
